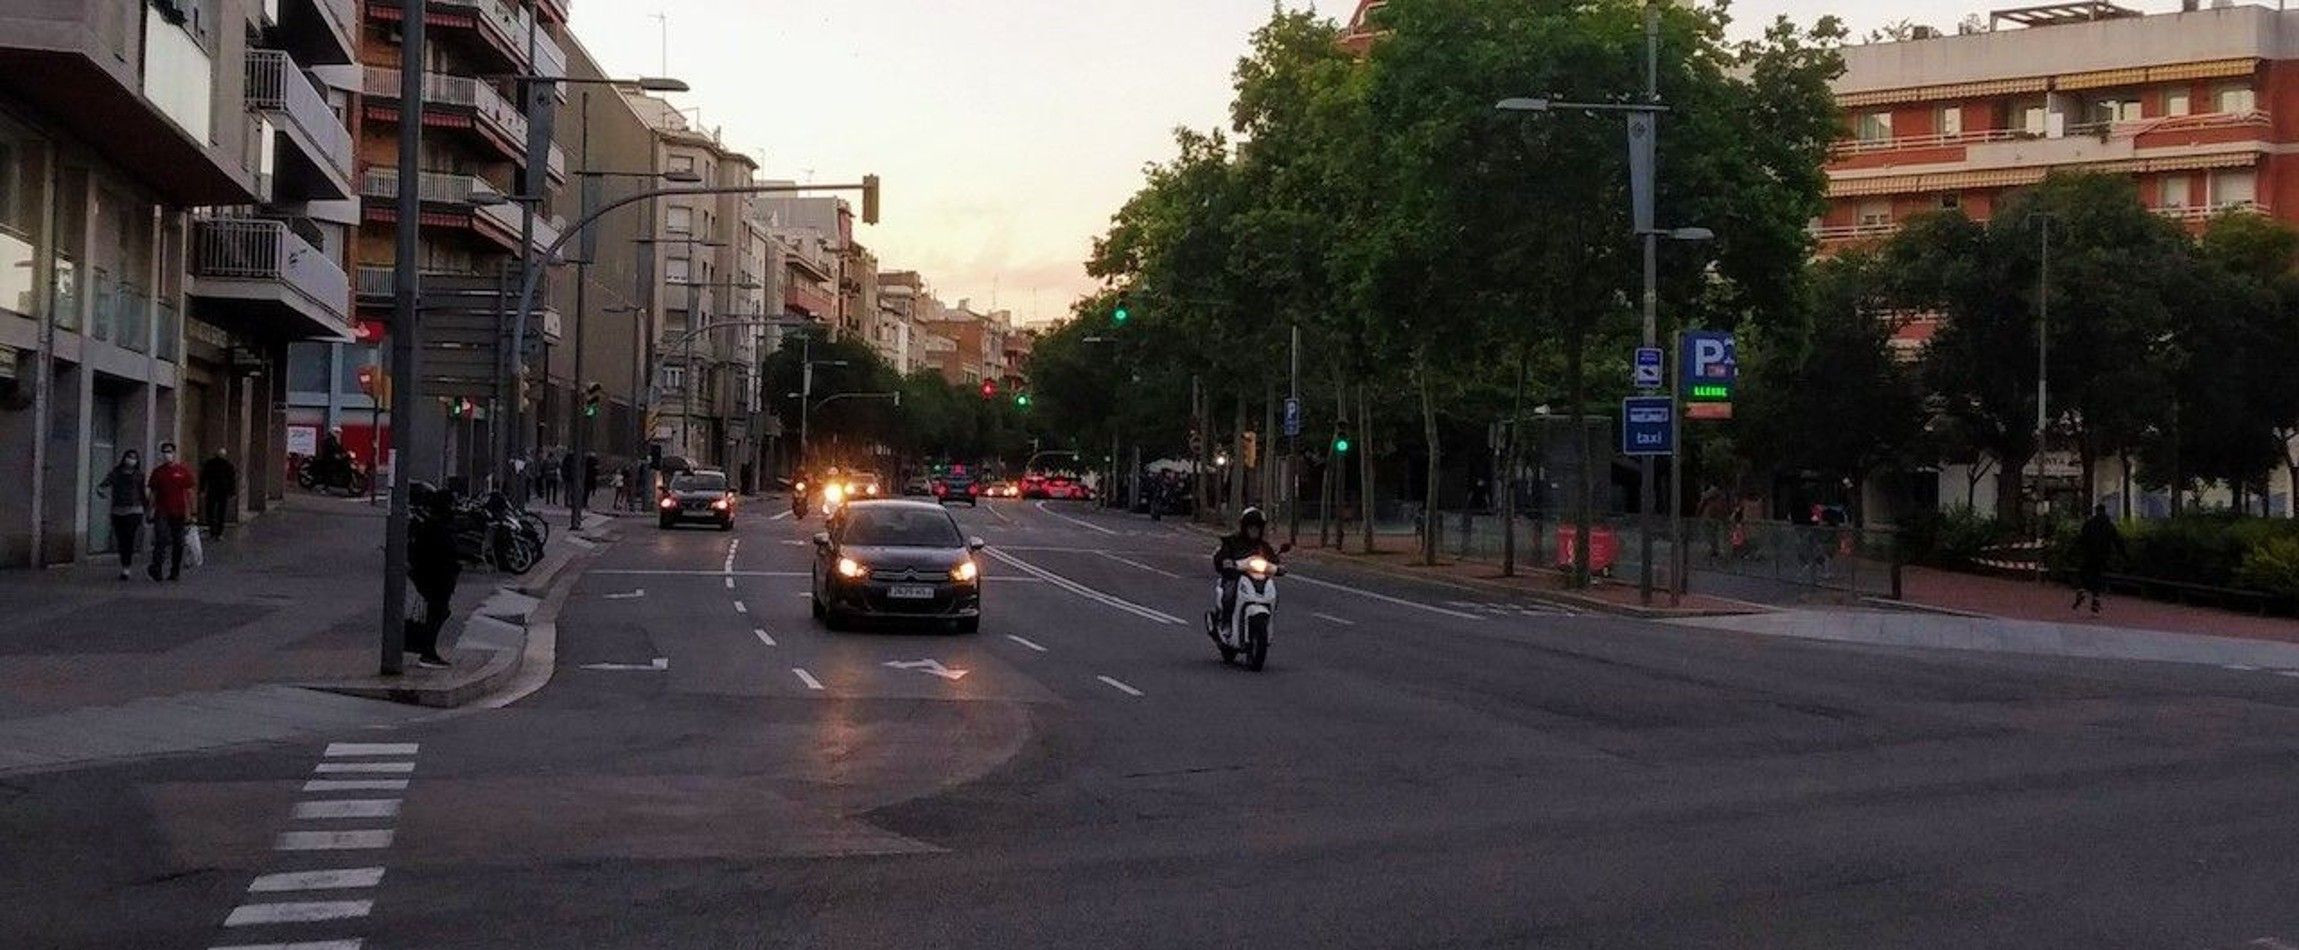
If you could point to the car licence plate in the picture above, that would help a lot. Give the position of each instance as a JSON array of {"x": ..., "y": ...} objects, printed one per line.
[{"x": 911, "y": 592}]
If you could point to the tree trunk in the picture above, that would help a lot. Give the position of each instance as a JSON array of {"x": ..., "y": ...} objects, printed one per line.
[
  {"x": 1237, "y": 499},
  {"x": 2088, "y": 460},
  {"x": 1506, "y": 482},
  {"x": 1265, "y": 446},
  {"x": 1367, "y": 499},
  {"x": 2009, "y": 479},
  {"x": 2178, "y": 465},
  {"x": 1583, "y": 470},
  {"x": 1431, "y": 521}
]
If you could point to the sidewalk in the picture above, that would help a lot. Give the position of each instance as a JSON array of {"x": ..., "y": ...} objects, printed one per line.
[
  {"x": 2048, "y": 603},
  {"x": 95, "y": 667}
]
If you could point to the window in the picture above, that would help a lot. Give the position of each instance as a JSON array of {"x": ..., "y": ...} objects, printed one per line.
[
  {"x": 2234, "y": 97},
  {"x": 900, "y": 528},
  {"x": 2172, "y": 191},
  {"x": 1875, "y": 127},
  {"x": 2034, "y": 117},
  {"x": 1951, "y": 201},
  {"x": 179, "y": 76},
  {"x": 307, "y": 368},
  {"x": 679, "y": 219},
  {"x": 677, "y": 270},
  {"x": 2234, "y": 188},
  {"x": 674, "y": 378},
  {"x": 2176, "y": 102},
  {"x": 680, "y": 163},
  {"x": 1951, "y": 120},
  {"x": 23, "y": 201},
  {"x": 1873, "y": 213}
]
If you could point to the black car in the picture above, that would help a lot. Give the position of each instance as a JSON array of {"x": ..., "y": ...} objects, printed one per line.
[
  {"x": 896, "y": 559},
  {"x": 957, "y": 487},
  {"x": 699, "y": 495}
]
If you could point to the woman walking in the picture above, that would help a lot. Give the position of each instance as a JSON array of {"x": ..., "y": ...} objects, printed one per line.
[{"x": 124, "y": 485}]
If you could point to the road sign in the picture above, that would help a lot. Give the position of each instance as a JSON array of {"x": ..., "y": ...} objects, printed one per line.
[
  {"x": 1647, "y": 425},
  {"x": 1710, "y": 369},
  {"x": 1292, "y": 417},
  {"x": 1648, "y": 368}
]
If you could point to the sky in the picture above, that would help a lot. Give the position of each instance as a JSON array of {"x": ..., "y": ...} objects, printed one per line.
[{"x": 1006, "y": 131}]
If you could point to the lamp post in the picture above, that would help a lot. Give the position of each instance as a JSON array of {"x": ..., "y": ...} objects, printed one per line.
[{"x": 2043, "y": 221}]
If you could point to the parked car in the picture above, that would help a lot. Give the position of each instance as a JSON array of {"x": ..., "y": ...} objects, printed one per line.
[
  {"x": 918, "y": 486},
  {"x": 1065, "y": 488},
  {"x": 896, "y": 559}
]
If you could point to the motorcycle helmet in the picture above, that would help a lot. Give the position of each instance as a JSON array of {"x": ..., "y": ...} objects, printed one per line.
[{"x": 1252, "y": 518}]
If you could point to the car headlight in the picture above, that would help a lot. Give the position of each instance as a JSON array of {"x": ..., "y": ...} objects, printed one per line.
[
  {"x": 1257, "y": 566},
  {"x": 965, "y": 571},
  {"x": 851, "y": 568},
  {"x": 719, "y": 504},
  {"x": 669, "y": 502}
]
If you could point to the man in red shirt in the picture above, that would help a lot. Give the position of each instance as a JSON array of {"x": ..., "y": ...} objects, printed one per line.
[{"x": 170, "y": 489}]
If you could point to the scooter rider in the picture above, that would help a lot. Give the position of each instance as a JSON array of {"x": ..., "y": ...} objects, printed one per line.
[{"x": 1235, "y": 549}]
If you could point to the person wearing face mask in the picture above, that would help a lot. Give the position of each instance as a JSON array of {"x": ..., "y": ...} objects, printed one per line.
[
  {"x": 124, "y": 485},
  {"x": 170, "y": 494}
]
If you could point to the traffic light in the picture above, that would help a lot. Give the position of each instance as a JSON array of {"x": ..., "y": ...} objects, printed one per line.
[
  {"x": 1340, "y": 445},
  {"x": 869, "y": 199},
  {"x": 593, "y": 394},
  {"x": 462, "y": 408},
  {"x": 1022, "y": 400},
  {"x": 1122, "y": 314},
  {"x": 989, "y": 389}
]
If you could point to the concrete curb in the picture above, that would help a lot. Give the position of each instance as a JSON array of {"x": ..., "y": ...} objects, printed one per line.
[
  {"x": 507, "y": 651},
  {"x": 1551, "y": 597}
]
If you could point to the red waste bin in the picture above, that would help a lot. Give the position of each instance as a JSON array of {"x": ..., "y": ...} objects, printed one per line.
[{"x": 1604, "y": 547}]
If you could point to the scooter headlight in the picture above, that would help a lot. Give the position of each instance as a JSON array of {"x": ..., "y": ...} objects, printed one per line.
[{"x": 1257, "y": 566}]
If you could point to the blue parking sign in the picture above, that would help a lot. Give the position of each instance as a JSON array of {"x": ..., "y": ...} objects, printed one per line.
[
  {"x": 1648, "y": 368},
  {"x": 1647, "y": 425},
  {"x": 1292, "y": 417},
  {"x": 1710, "y": 371}
]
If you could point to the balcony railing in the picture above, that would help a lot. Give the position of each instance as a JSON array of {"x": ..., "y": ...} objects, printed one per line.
[
  {"x": 1853, "y": 232},
  {"x": 439, "y": 187},
  {"x": 459, "y": 91},
  {"x": 2127, "y": 129},
  {"x": 168, "y": 335},
  {"x": 278, "y": 88},
  {"x": 258, "y": 249},
  {"x": 2206, "y": 212},
  {"x": 1908, "y": 142}
]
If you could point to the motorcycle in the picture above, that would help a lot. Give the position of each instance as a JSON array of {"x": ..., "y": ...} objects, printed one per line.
[
  {"x": 490, "y": 531},
  {"x": 1248, "y": 627},
  {"x": 346, "y": 476}
]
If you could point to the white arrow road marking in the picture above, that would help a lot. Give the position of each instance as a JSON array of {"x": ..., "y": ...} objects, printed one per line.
[
  {"x": 1384, "y": 598},
  {"x": 1120, "y": 687},
  {"x": 1079, "y": 522},
  {"x": 634, "y": 595},
  {"x": 928, "y": 666},
  {"x": 1086, "y": 592},
  {"x": 1333, "y": 619},
  {"x": 807, "y": 678},
  {"x": 1129, "y": 562},
  {"x": 660, "y": 664},
  {"x": 1026, "y": 643},
  {"x": 762, "y": 637}
]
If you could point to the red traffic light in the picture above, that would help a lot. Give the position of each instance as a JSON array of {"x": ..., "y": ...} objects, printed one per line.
[{"x": 989, "y": 389}]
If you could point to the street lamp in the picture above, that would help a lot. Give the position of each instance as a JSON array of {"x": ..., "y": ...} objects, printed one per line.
[{"x": 641, "y": 83}]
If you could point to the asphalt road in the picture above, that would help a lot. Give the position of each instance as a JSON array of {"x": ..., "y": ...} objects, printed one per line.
[{"x": 1418, "y": 766}]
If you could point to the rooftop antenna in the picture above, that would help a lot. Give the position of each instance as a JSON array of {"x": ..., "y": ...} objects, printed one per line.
[{"x": 663, "y": 23}]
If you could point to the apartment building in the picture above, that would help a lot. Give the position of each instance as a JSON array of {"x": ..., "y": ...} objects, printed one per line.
[
  {"x": 821, "y": 231},
  {"x": 2195, "y": 105},
  {"x": 894, "y": 330},
  {"x": 712, "y": 257},
  {"x": 173, "y": 179},
  {"x": 476, "y": 152},
  {"x": 978, "y": 342}
]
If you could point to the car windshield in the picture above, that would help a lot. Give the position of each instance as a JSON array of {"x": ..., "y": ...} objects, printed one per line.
[
  {"x": 699, "y": 481},
  {"x": 900, "y": 528}
]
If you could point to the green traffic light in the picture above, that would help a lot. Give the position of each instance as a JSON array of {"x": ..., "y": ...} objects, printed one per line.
[
  {"x": 1022, "y": 400},
  {"x": 1341, "y": 445},
  {"x": 1122, "y": 314}
]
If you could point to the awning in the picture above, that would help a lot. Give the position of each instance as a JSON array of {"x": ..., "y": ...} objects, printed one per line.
[
  {"x": 1962, "y": 90},
  {"x": 2016, "y": 177}
]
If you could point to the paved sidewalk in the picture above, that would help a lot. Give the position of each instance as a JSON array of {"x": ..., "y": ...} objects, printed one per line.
[{"x": 2048, "y": 603}]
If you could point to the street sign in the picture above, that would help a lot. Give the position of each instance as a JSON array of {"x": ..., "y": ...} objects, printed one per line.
[
  {"x": 1647, "y": 425},
  {"x": 1710, "y": 369},
  {"x": 1292, "y": 417},
  {"x": 1647, "y": 375}
]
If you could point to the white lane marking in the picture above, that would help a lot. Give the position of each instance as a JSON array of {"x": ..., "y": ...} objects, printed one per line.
[
  {"x": 2242, "y": 668},
  {"x": 1120, "y": 687},
  {"x": 2270, "y": 943},
  {"x": 1086, "y": 592},
  {"x": 730, "y": 583},
  {"x": 333, "y": 840},
  {"x": 1041, "y": 506},
  {"x": 634, "y": 595},
  {"x": 1333, "y": 619},
  {"x": 306, "y": 945},
  {"x": 807, "y": 678},
  {"x": 317, "y": 880},
  {"x": 741, "y": 608},
  {"x": 1384, "y": 598},
  {"x": 929, "y": 666},
  {"x": 1001, "y": 515},
  {"x": 1129, "y": 562},
  {"x": 762, "y": 637},
  {"x": 779, "y": 515},
  {"x": 639, "y": 573},
  {"x": 335, "y": 749},
  {"x": 2292, "y": 673},
  {"x": 299, "y": 912},
  {"x": 348, "y": 808},
  {"x": 356, "y": 785},
  {"x": 1025, "y": 642},
  {"x": 658, "y": 665},
  {"x": 391, "y": 768}
]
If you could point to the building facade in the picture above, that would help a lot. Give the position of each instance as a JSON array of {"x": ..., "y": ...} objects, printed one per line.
[
  {"x": 894, "y": 330},
  {"x": 174, "y": 179}
]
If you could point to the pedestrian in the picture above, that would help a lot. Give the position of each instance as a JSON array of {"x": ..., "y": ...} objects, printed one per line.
[
  {"x": 169, "y": 495},
  {"x": 434, "y": 567},
  {"x": 124, "y": 485},
  {"x": 590, "y": 486},
  {"x": 570, "y": 475},
  {"x": 2098, "y": 541},
  {"x": 616, "y": 481},
  {"x": 1715, "y": 508},
  {"x": 219, "y": 484}
]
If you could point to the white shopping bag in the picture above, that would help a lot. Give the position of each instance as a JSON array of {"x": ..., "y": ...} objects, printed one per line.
[{"x": 194, "y": 555}]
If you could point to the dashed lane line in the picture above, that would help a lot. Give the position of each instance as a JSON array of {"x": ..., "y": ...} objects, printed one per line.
[
  {"x": 355, "y": 785},
  {"x": 1082, "y": 590},
  {"x": 1329, "y": 618},
  {"x": 1025, "y": 642},
  {"x": 741, "y": 608},
  {"x": 1384, "y": 598},
  {"x": 1129, "y": 562},
  {"x": 760, "y": 633},
  {"x": 1120, "y": 687},
  {"x": 1080, "y": 522},
  {"x": 389, "y": 768},
  {"x": 806, "y": 677}
]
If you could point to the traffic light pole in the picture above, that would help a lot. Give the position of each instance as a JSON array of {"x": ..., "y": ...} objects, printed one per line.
[
  {"x": 580, "y": 438},
  {"x": 405, "y": 355}
]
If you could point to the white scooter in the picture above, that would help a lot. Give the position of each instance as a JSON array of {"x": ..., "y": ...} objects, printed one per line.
[{"x": 1247, "y": 628}]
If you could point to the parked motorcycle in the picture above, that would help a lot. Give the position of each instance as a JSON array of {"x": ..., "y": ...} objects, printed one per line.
[{"x": 1247, "y": 629}]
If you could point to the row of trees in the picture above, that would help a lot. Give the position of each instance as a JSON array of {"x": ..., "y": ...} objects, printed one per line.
[
  {"x": 935, "y": 419},
  {"x": 1447, "y": 265}
]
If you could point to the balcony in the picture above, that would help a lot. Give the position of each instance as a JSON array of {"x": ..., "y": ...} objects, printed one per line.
[
  {"x": 463, "y": 102},
  {"x": 2078, "y": 143},
  {"x": 256, "y": 276},
  {"x": 433, "y": 187},
  {"x": 501, "y": 28},
  {"x": 1867, "y": 230},
  {"x": 312, "y": 158},
  {"x": 318, "y": 32},
  {"x": 2197, "y": 214}
]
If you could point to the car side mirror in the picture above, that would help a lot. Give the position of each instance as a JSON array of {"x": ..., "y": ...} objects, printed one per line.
[
  {"x": 1283, "y": 548},
  {"x": 822, "y": 540},
  {"x": 976, "y": 544}
]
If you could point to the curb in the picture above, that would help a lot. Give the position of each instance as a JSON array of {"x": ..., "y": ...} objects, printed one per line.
[
  {"x": 548, "y": 583},
  {"x": 1886, "y": 603},
  {"x": 1551, "y": 597}
]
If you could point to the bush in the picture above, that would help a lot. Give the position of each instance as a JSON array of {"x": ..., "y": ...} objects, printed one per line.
[
  {"x": 2272, "y": 566},
  {"x": 1953, "y": 538},
  {"x": 2212, "y": 549}
]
